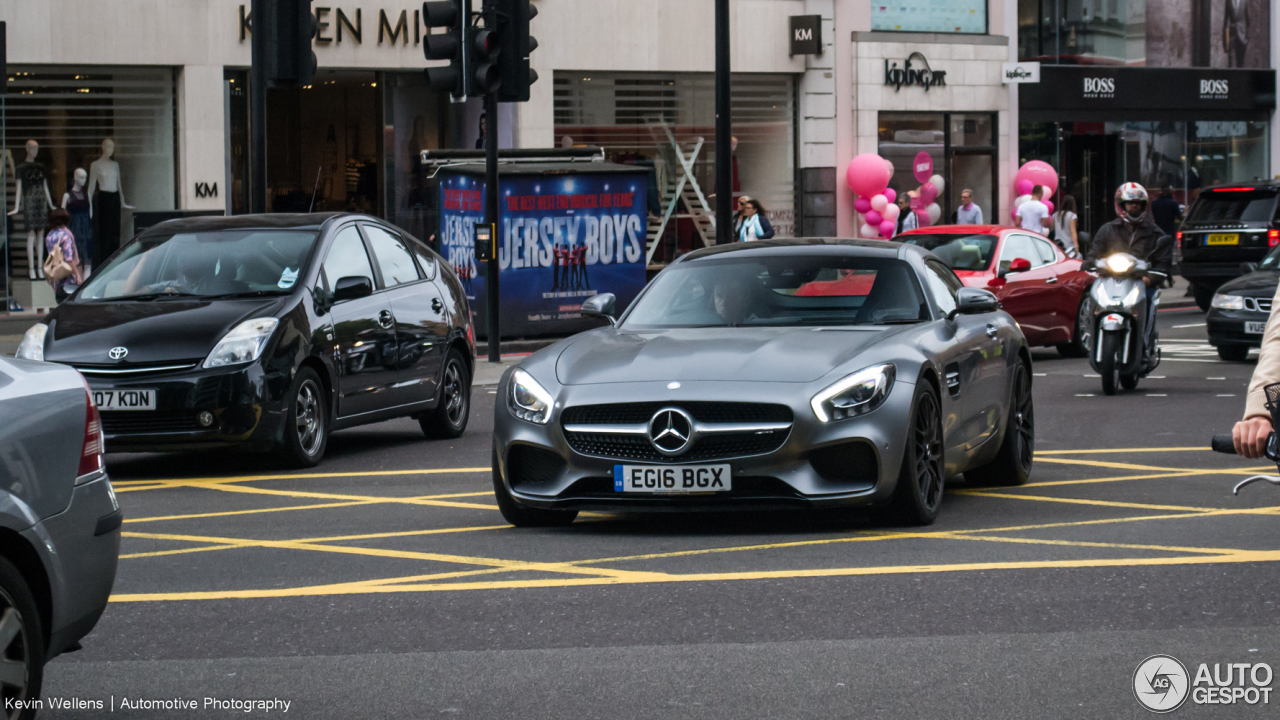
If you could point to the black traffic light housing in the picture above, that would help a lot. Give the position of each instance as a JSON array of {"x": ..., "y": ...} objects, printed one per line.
[
  {"x": 454, "y": 16},
  {"x": 517, "y": 45},
  {"x": 288, "y": 28},
  {"x": 486, "y": 51}
]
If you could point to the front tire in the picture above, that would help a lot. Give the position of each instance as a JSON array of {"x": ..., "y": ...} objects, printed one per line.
[
  {"x": 449, "y": 418},
  {"x": 1233, "y": 353},
  {"x": 21, "y": 642},
  {"x": 306, "y": 432},
  {"x": 1109, "y": 365},
  {"x": 918, "y": 496},
  {"x": 1012, "y": 464},
  {"x": 1203, "y": 295},
  {"x": 522, "y": 516}
]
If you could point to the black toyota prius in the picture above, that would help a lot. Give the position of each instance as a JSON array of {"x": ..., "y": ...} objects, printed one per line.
[{"x": 266, "y": 332}]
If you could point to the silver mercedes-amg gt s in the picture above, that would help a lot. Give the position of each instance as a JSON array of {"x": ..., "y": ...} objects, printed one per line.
[{"x": 806, "y": 373}]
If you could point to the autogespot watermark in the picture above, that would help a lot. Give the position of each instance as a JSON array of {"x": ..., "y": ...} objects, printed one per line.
[
  {"x": 1162, "y": 684},
  {"x": 127, "y": 703}
]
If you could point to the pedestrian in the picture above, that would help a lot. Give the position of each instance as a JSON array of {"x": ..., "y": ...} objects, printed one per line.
[
  {"x": 907, "y": 219},
  {"x": 969, "y": 212},
  {"x": 1166, "y": 212},
  {"x": 1064, "y": 227},
  {"x": 484, "y": 131},
  {"x": 1033, "y": 215},
  {"x": 62, "y": 262},
  {"x": 752, "y": 224}
]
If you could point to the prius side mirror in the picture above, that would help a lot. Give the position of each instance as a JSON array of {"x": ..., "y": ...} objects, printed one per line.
[
  {"x": 352, "y": 287},
  {"x": 601, "y": 307}
]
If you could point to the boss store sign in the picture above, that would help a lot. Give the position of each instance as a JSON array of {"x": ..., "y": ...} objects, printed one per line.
[{"x": 1085, "y": 93}]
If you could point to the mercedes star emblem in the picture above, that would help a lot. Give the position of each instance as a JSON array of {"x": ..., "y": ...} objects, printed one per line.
[
  {"x": 117, "y": 353},
  {"x": 671, "y": 431}
]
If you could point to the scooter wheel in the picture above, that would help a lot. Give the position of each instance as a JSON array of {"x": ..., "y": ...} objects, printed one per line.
[{"x": 1129, "y": 382}]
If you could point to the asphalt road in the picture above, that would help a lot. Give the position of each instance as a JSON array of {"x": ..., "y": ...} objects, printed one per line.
[{"x": 385, "y": 584}]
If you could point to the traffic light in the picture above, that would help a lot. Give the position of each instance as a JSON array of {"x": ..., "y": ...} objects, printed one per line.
[
  {"x": 288, "y": 28},
  {"x": 517, "y": 45},
  {"x": 449, "y": 45},
  {"x": 486, "y": 52}
]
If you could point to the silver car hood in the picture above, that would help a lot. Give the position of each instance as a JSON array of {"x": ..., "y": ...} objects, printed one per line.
[{"x": 796, "y": 355}]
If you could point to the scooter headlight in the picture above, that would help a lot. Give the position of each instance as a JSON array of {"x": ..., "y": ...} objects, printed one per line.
[
  {"x": 1227, "y": 302},
  {"x": 1120, "y": 263}
]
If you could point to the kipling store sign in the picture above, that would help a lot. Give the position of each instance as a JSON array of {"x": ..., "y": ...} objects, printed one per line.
[
  {"x": 338, "y": 25},
  {"x": 915, "y": 70}
]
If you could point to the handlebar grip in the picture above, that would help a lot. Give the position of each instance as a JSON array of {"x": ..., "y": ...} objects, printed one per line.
[{"x": 1223, "y": 444}]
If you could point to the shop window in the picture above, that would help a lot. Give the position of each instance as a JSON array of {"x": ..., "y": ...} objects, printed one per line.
[
  {"x": 954, "y": 16},
  {"x": 962, "y": 147}
]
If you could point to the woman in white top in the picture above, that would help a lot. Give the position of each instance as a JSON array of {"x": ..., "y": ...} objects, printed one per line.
[{"x": 1064, "y": 227}]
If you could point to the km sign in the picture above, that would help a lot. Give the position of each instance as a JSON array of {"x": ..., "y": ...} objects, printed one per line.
[{"x": 806, "y": 34}]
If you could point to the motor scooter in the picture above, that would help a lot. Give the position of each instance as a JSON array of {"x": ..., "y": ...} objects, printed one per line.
[{"x": 1122, "y": 349}]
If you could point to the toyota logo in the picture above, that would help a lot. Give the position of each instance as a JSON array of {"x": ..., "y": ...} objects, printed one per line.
[
  {"x": 671, "y": 431},
  {"x": 117, "y": 353}
]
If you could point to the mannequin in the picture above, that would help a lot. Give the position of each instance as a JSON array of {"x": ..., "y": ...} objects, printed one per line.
[
  {"x": 33, "y": 188},
  {"x": 104, "y": 179},
  {"x": 76, "y": 202}
]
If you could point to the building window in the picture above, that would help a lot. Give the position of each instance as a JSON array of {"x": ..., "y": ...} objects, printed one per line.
[
  {"x": 666, "y": 121},
  {"x": 954, "y": 16},
  {"x": 962, "y": 147}
]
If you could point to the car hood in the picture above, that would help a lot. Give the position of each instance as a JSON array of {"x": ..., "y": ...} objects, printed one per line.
[
  {"x": 1261, "y": 283},
  {"x": 975, "y": 278},
  {"x": 153, "y": 332},
  {"x": 729, "y": 354}
]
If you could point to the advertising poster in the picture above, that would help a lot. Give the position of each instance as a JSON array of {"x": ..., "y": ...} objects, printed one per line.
[
  {"x": 562, "y": 238},
  {"x": 942, "y": 16}
]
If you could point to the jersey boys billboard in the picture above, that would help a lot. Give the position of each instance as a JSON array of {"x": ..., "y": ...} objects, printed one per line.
[{"x": 561, "y": 239}]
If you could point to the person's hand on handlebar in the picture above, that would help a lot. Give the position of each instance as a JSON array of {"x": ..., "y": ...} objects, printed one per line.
[{"x": 1250, "y": 436}]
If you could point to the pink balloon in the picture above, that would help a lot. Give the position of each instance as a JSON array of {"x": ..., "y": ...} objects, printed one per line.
[
  {"x": 1024, "y": 187},
  {"x": 890, "y": 212},
  {"x": 879, "y": 202},
  {"x": 889, "y": 194},
  {"x": 922, "y": 168},
  {"x": 1039, "y": 173},
  {"x": 887, "y": 227},
  {"x": 923, "y": 219},
  {"x": 1049, "y": 204},
  {"x": 928, "y": 192},
  {"x": 862, "y": 205},
  {"x": 874, "y": 217},
  {"x": 867, "y": 175}
]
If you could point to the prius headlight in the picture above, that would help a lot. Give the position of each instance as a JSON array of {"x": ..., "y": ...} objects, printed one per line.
[
  {"x": 32, "y": 345},
  {"x": 528, "y": 400},
  {"x": 1227, "y": 302},
  {"x": 1120, "y": 263},
  {"x": 855, "y": 394},
  {"x": 243, "y": 344}
]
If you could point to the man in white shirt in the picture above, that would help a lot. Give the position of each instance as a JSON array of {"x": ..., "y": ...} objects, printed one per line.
[
  {"x": 1034, "y": 215},
  {"x": 969, "y": 212}
]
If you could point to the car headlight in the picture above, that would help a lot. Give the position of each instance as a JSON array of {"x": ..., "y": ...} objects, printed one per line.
[
  {"x": 528, "y": 400},
  {"x": 32, "y": 345},
  {"x": 856, "y": 394},
  {"x": 1120, "y": 263},
  {"x": 243, "y": 344},
  {"x": 1227, "y": 302}
]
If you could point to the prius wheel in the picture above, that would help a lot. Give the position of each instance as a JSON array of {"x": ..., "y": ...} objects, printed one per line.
[
  {"x": 1079, "y": 345},
  {"x": 306, "y": 432},
  {"x": 21, "y": 644},
  {"x": 920, "y": 482},
  {"x": 1012, "y": 464},
  {"x": 449, "y": 418},
  {"x": 523, "y": 516}
]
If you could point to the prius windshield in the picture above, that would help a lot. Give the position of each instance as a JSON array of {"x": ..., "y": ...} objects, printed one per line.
[
  {"x": 204, "y": 264},
  {"x": 781, "y": 292}
]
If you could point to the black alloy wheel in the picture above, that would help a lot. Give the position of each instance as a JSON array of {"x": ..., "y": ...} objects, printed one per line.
[
  {"x": 1012, "y": 464},
  {"x": 1233, "y": 353},
  {"x": 1079, "y": 345},
  {"x": 449, "y": 418},
  {"x": 21, "y": 644},
  {"x": 306, "y": 433},
  {"x": 918, "y": 496}
]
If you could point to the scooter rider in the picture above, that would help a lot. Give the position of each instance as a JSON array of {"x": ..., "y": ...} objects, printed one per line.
[{"x": 1134, "y": 232}]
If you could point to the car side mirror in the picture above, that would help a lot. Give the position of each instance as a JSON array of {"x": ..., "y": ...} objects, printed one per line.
[
  {"x": 1245, "y": 269},
  {"x": 601, "y": 307},
  {"x": 70, "y": 288},
  {"x": 352, "y": 288},
  {"x": 1017, "y": 265},
  {"x": 975, "y": 301}
]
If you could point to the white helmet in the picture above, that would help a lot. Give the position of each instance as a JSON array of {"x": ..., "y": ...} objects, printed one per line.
[{"x": 1131, "y": 192}]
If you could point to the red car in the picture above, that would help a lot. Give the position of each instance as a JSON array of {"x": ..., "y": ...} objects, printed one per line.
[{"x": 1043, "y": 289}]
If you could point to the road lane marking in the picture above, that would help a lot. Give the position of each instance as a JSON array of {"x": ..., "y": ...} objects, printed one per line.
[
  {"x": 336, "y": 496},
  {"x": 1082, "y": 501},
  {"x": 407, "y": 533},
  {"x": 305, "y": 476},
  {"x": 317, "y": 506},
  {"x": 1179, "y": 327},
  {"x": 1121, "y": 450}
]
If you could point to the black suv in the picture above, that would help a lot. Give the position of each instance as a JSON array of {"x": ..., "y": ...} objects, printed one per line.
[{"x": 1226, "y": 226}]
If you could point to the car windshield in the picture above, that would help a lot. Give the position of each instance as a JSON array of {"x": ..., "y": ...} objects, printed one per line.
[
  {"x": 1233, "y": 206},
  {"x": 781, "y": 292},
  {"x": 204, "y": 264},
  {"x": 961, "y": 252}
]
